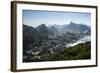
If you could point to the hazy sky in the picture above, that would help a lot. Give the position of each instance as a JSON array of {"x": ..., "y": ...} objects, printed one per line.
[{"x": 35, "y": 18}]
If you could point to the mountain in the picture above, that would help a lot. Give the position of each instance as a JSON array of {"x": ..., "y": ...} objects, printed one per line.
[
  {"x": 31, "y": 37},
  {"x": 72, "y": 28},
  {"x": 53, "y": 30},
  {"x": 43, "y": 29},
  {"x": 78, "y": 28}
]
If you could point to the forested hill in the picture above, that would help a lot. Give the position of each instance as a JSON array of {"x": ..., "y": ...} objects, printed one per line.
[{"x": 80, "y": 51}]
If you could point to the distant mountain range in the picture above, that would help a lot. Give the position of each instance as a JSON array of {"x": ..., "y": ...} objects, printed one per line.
[
  {"x": 73, "y": 27},
  {"x": 32, "y": 34}
]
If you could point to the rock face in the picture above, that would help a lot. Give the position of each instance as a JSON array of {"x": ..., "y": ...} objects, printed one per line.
[{"x": 42, "y": 42}]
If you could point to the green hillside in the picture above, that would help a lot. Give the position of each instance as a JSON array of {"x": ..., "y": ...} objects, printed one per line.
[{"x": 78, "y": 52}]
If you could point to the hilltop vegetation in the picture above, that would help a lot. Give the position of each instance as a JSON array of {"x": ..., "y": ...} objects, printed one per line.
[{"x": 80, "y": 51}]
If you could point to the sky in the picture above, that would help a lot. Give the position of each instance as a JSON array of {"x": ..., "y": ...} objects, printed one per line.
[{"x": 35, "y": 18}]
